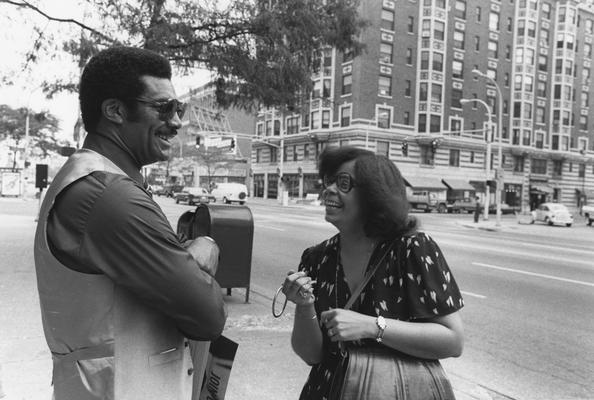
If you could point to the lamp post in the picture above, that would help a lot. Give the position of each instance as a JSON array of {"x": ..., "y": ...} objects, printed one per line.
[
  {"x": 488, "y": 155},
  {"x": 499, "y": 180}
]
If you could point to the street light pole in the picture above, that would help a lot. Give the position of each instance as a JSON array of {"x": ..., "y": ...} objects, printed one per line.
[
  {"x": 499, "y": 180},
  {"x": 488, "y": 154}
]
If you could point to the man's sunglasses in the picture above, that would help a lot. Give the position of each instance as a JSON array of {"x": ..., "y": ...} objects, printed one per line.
[
  {"x": 166, "y": 108},
  {"x": 344, "y": 181}
]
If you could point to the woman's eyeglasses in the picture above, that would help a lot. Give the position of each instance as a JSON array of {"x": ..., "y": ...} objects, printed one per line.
[
  {"x": 344, "y": 181},
  {"x": 166, "y": 108}
]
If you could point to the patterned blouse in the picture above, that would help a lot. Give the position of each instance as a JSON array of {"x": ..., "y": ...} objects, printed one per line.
[{"x": 413, "y": 282}]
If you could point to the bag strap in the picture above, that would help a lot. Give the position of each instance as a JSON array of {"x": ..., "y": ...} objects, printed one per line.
[{"x": 366, "y": 278}]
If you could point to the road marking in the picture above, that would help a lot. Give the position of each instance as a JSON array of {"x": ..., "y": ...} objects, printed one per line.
[
  {"x": 270, "y": 227},
  {"x": 556, "y": 278},
  {"x": 465, "y": 293}
]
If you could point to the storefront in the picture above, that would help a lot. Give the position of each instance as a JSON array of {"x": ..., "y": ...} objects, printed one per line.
[{"x": 540, "y": 193}]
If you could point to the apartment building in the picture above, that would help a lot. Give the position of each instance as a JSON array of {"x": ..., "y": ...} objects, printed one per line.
[{"x": 459, "y": 94}]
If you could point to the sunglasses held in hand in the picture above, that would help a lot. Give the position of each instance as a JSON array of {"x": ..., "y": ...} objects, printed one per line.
[{"x": 166, "y": 108}]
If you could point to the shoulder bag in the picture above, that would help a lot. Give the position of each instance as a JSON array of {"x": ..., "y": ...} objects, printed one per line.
[{"x": 381, "y": 373}]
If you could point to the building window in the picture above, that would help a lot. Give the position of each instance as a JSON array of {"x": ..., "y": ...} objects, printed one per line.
[
  {"x": 273, "y": 154},
  {"x": 521, "y": 28},
  {"x": 258, "y": 155},
  {"x": 588, "y": 26},
  {"x": 585, "y": 103},
  {"x": 326, "y": 88},
  {"x": 526, "y": 138},
  {"x": 347, "y": 84},
  {"x": 494, "y": 21},
  {"x": 542, "y": 63},
  {"x": 477, "y": 43},
  {"x": 385, "y": 86},
  {"x": 540, "y": 115},
  {"x": 388, "y": 20},
  {"x": 456, "y": 96},
  {"x": 492, "y": 46},
  {"x": 424, "y": 60},
  {"x": 455, "y": 126},
  {"x": 459, "y": 40},
  {"x": 472, "y": 157},
  {"x": 383, "y": 118},
  {"x": 259, "y": 129},
  {"x": 539, "y": 140},
  {"x": 345, "y": 116},
  {"x": 436, "y": 93},
  {"x": 510, "y": 24},
  {"x": 506, "y": 79},
  {"x": 460, "y": 9},
  {"x": 437, "y": 62},
  {"x": 277, "y": 126},
  {"x": 587, "y": 50},
  {"x": 409, "y": 56},
  {"x": 315, "y": 120},
  {"x": 325, "y": 119},
  {"x": 457, "y": 69},
  {"x": 546, "y": 10},
  {"x": 423, "y": 91},
  {"x": 382, "y": 148},
  {"x": 538, "y": 166},
  {"x": 557, "y": 168},
  {"x": 386, "y": 52},
  {"x": 427, "y": 156},
  {"x": 518, "y": 163},
  {"x": 422, "y": 123},
  {"x": 438, "y": 30},
  {"x": 294, "y": 153},
  {"x": 454, "y": 158},
  {"x": 406, "y": 118},
  {"x": 292, "y": 125},
  {"x": 584, "y": 122},
  {"x": 541, "y": 89},
  {"x": 410, "y": 25},
  {"x": 435, "y": 123},
  {"x": 477, "y": 13},
  {"x": 408, "y": 88}
]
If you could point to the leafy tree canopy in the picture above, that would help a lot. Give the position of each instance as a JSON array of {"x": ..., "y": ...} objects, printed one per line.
[
  {"x": 261, "y": 52},
  {"x": 43, "y": 127}
]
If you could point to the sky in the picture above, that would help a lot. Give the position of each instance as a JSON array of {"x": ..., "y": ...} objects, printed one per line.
[{"x": 17, "y": 36}]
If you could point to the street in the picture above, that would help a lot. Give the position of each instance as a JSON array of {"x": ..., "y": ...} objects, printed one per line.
[{"x": 528, "y": 290}]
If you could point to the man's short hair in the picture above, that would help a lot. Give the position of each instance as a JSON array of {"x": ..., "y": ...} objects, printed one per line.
[{"x": 115, "y": 73}]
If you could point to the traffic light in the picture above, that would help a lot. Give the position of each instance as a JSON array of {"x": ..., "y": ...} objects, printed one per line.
[
  {"x": 41, "y": 176},
  {"x": 434, "y": 145},
  {"x": 405, "y": 148},
  {"x": 232, "y": 144}
]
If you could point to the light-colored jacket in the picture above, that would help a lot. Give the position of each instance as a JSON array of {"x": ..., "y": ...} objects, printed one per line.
[{"x": 105, "y": 344}]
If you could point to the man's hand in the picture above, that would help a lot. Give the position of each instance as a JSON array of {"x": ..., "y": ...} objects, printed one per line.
[{"x": 206, "y": 253}]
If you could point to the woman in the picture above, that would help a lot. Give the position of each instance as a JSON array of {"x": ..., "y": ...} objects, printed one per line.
[{"x": 409, "y": 306}]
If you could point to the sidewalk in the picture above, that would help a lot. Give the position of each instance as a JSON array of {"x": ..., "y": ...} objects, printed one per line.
[{"x": 265, "y": 367}]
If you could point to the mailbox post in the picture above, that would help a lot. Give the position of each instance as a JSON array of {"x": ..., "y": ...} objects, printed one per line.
[{"x": 232, "y": 227}]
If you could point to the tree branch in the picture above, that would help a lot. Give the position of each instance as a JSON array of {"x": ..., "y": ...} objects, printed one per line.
[{"x": 26, "y": 4}]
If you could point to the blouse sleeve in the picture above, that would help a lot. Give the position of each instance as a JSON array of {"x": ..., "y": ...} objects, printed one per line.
[{"x": 430, "y": 287}]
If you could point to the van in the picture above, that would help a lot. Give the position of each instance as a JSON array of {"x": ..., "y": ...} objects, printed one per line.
[{"x": 230, "y": 192}]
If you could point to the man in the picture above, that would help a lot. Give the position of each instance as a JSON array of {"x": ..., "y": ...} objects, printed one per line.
[
  {"x": 118, "y": 292},
  {"x": 477, "y": 209}
]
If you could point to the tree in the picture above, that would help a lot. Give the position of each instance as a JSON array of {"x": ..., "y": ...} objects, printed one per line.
[
  {"x": 262, "y": 52},
  {"x": 43, "y": 127}
]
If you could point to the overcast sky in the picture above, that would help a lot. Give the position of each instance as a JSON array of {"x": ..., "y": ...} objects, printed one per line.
[{"x": 17, "y": 37}]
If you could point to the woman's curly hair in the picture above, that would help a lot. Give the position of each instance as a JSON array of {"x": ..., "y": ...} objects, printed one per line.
[{"x": 380, "y": 189}]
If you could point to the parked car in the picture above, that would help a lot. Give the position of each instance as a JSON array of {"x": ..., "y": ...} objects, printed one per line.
[
  {"x": 552, "y": 213},
  {"x": 230, "y": 192},
  {"x": 193, "y": 195},
  {"x": 505, "y": 208},
  {"x": 588, "y": 211},
  {"x": 168, "y": 190},
  {"x": 463, "y": 206}
]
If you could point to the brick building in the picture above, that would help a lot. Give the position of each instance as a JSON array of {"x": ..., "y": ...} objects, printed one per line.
[{"x": 526, "y": 65}]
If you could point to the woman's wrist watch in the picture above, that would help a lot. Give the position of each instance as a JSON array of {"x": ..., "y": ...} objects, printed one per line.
[{"x": 381, "y": 324}]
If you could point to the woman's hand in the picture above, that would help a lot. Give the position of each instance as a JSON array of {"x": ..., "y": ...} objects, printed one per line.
[
  {"x": 347, "y": 325},
  {"x": 298, "y": 287}
]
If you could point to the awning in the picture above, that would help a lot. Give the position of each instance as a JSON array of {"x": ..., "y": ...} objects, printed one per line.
[
  {"x": 424, "y": 182},
  {"x": 457, "y": 184},
  {"x": 542, "y": 189},
  {"x": 588, "y": 194}
]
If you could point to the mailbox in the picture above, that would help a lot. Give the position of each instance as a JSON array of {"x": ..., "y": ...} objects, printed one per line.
[{"x": 232, "y": 227}]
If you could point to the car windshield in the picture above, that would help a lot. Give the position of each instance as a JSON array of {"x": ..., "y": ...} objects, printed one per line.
[{"x": 557, "y": 207}]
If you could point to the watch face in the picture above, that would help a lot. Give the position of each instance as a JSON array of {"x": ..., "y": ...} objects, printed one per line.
[{"x": 381, "y": 322}]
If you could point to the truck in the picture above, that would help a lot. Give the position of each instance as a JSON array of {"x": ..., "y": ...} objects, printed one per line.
[
  {"x": 588, "y": 211},
  {"x": 427, "y": 199}
]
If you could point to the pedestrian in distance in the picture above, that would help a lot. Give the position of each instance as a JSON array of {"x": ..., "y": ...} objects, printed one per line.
[
  {"x": 379, "y": 286},
  {"x": 477, "y": 209},
  {"x": 120, "y": 295}
]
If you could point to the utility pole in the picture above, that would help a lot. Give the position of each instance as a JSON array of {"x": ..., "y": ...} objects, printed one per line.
[
  {"x": 499, "y": 180},
  {"x": 488, "y": 153}
]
